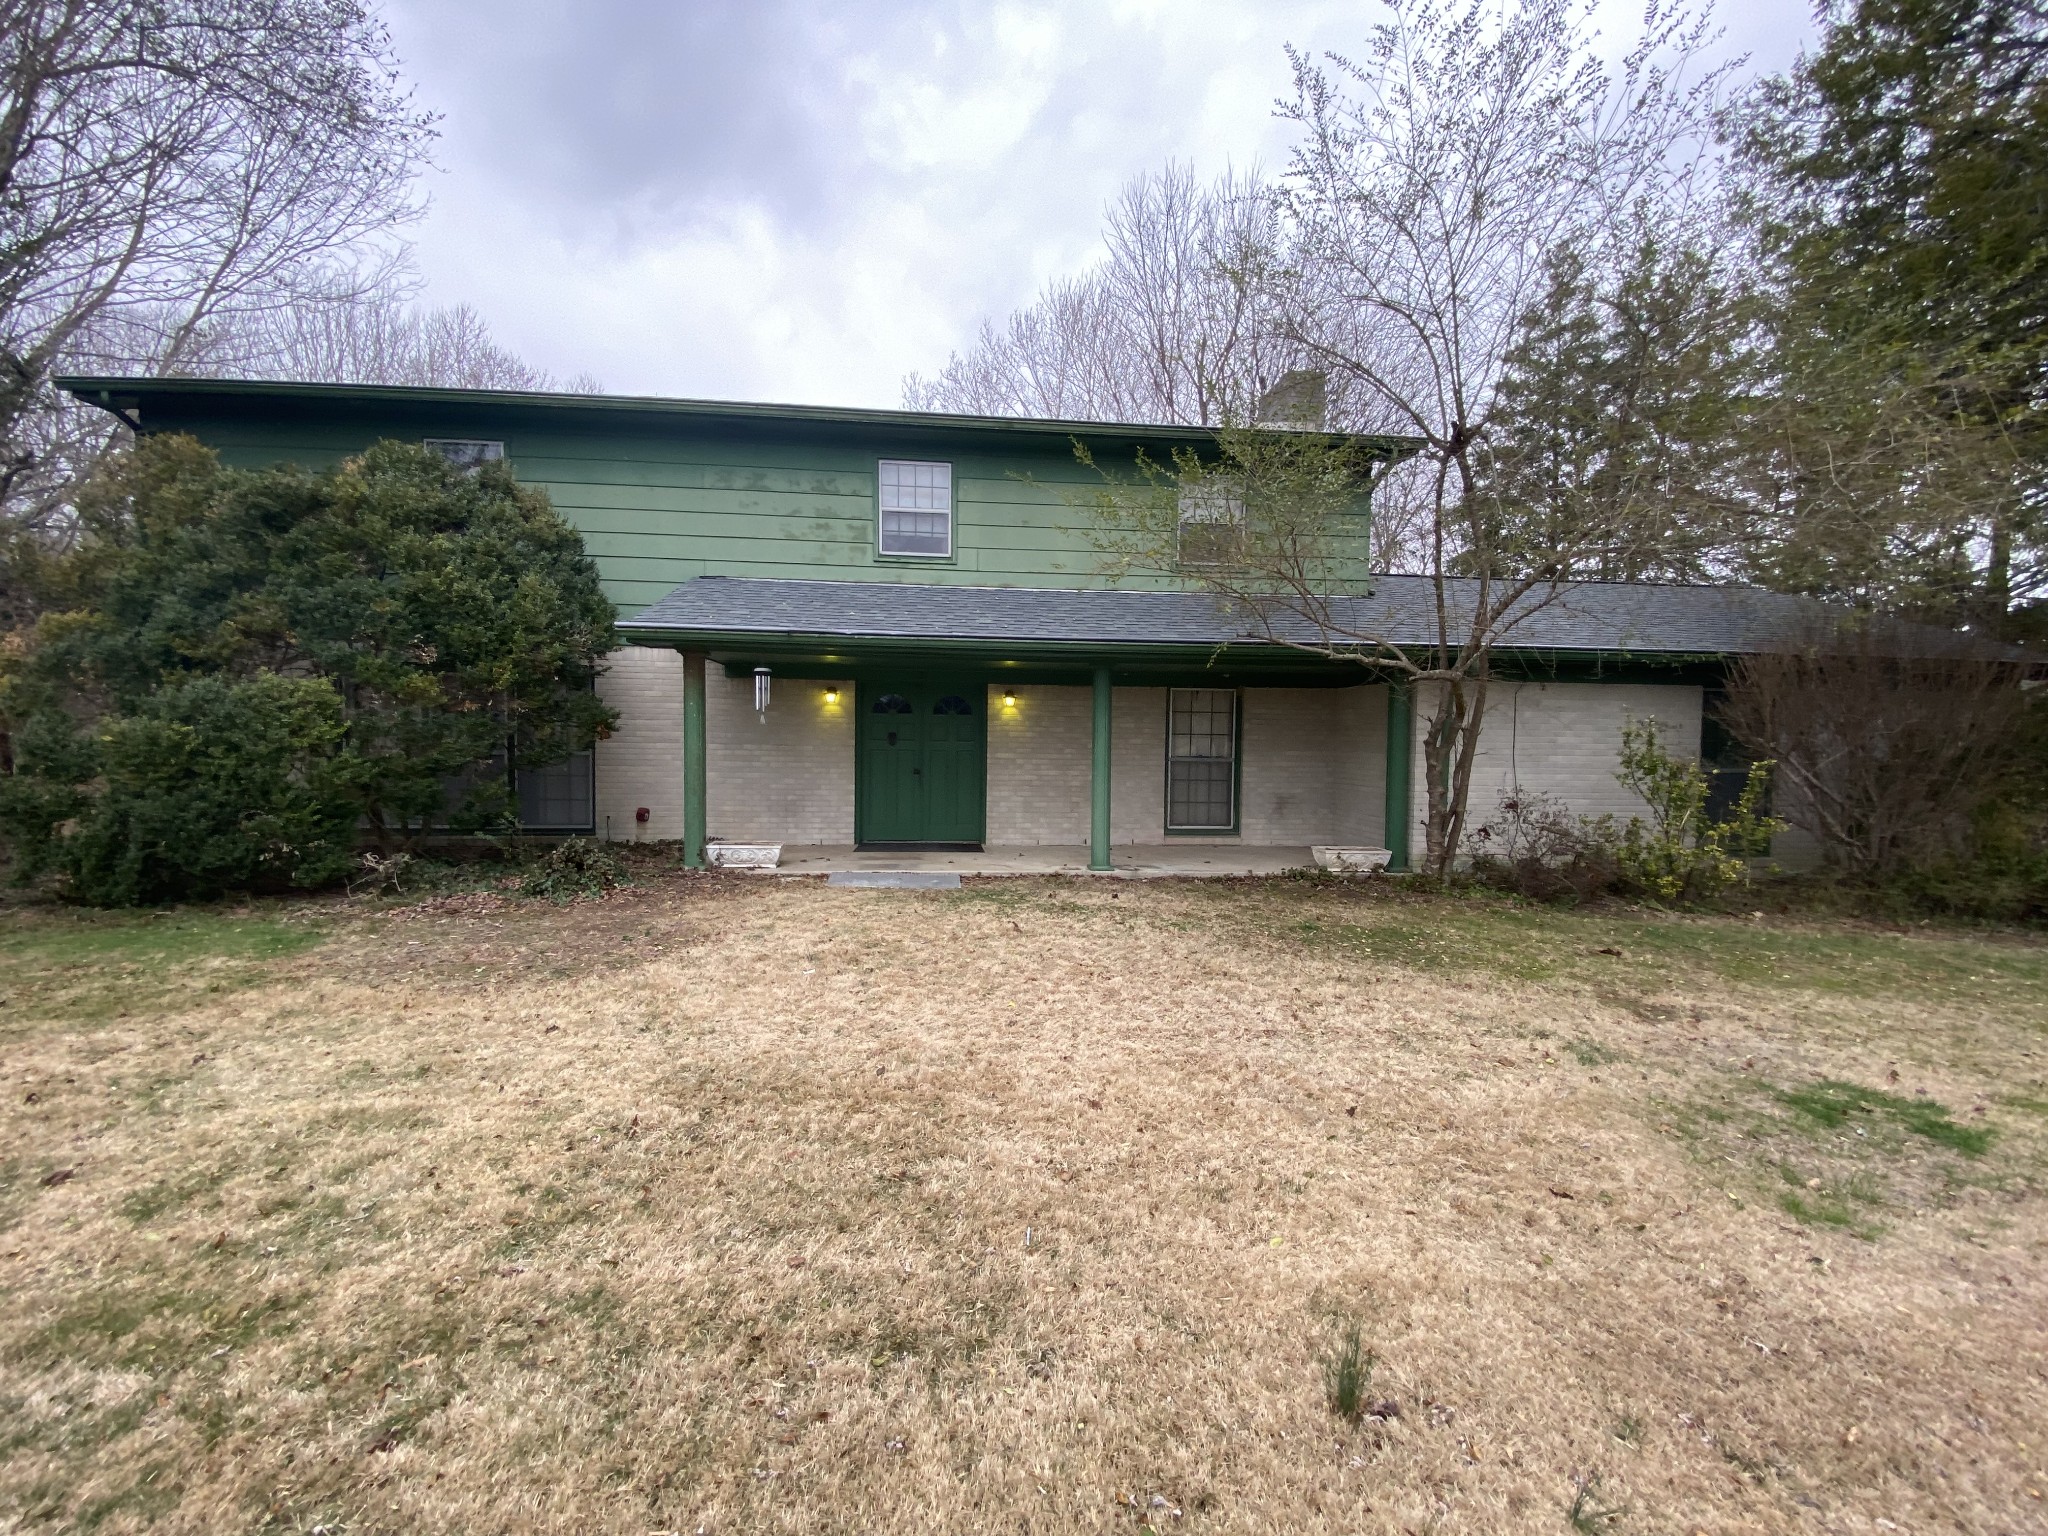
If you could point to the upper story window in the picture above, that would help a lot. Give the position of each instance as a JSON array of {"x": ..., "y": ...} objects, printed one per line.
[
  {"x": 465, "y": 452},
  {"x": 1211, "y": 526},
  {"x": 917, "y": 508}
]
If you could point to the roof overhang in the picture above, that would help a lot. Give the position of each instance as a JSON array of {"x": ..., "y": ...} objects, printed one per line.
[
  {"x": 841, "y": 628},
  {"x": 131, "y": 399}
]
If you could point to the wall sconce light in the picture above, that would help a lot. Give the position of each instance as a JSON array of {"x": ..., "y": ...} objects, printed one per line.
[
  {"x": 831, "y": 695},
  {"x": 1009, "y": 698}
]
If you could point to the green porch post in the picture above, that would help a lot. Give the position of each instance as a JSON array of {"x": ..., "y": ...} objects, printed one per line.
[
  {"x": 1098, "y": 776},
  {"x": 693, "y": 759},
  {"x": 1400, "y": 753}
]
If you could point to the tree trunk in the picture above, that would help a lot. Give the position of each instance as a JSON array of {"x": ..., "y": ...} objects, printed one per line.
[{"x": 1449, "y": 750}]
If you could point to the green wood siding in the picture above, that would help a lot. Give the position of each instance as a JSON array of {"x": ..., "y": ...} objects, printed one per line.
[{"x": 661, "y": 500}]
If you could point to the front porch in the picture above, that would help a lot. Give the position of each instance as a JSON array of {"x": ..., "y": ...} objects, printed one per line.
[{"x": 1132, "y": 862}]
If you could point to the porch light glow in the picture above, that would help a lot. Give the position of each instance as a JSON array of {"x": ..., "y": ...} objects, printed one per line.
[
  {"x": 831, "y": 695},
  {"x": 1009, "y": 698},
  {"x": 761, "y": 693}
]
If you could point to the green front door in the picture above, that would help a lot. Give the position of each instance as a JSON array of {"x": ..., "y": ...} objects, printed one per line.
[{"x": 922, "y": 773}]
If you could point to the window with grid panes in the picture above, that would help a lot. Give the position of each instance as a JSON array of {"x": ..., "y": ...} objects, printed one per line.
[
  {"x": 1201, "y": 760},
  {"x": 1211, "y": 527},
  {"x": 916, "y": 507},
  {"x": 559, "y": 796}
]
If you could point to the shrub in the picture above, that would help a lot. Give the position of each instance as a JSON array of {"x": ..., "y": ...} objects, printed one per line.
[
  {"x": 209, "y": 785},
  {"x": 443, "y": 626},
  {"x": 1680, "y": 852},
  {"x": 576, "y": 866},
  {"x": 1537, "y": 848},
  {"x": 1892, "y": 741}
]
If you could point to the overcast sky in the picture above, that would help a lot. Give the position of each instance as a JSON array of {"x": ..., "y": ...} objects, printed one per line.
[{"x": 778, "y": 200}]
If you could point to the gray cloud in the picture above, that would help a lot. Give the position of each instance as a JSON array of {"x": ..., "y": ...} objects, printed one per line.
[
  {"x": 616, "y": 104},
  {"x": 793, "y": 199}
]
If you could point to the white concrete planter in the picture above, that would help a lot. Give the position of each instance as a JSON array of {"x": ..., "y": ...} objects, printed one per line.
[
  {"x": 1352, "y": 861},
  {"x": 743, "y": 855}
]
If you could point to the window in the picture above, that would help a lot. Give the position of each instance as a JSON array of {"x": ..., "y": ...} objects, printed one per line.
[
  {"x": 1201, "y": 760},
  {"x": 893, "y": 704},
  {"x": 952, "y": 704},
  {"x": 559, "y": 797},
  {"x": 1211, "y": 526},
  {"x": 465, "y": 452},
  {"x": 917, "y": 509}
]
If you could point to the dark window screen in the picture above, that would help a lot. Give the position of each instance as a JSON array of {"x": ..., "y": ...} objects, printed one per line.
[{"x": 1201, "y": 760}]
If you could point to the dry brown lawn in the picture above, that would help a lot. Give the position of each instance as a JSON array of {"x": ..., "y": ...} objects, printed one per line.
[{"x": 1042, "y": 1206}]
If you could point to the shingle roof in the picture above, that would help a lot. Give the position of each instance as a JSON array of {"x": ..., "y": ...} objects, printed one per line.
[{"x": 1593, "y": 617}]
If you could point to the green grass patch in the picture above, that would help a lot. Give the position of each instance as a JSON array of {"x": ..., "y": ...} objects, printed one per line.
[
  {"x": 1641, "y": 950},
  {"x": 86, "y": 966},
  {"x": 168, "y": 1195},
  {"x": 1834, "y": 1153},
  {"x": 162, "y": 1326},
  {"x": 1846, "y": 1206},
  {"x": 1833, "y": 1104}
]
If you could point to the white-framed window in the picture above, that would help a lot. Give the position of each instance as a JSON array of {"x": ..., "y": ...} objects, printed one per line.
[
  {"x": 465, "y": 452},
  {"x": 1211, "y": 526},
  {"x": 1201, "y": 760},
  {"x": 916, "y": 508}
]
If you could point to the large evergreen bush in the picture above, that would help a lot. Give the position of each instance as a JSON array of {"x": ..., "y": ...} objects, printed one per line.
[{"x": 236, "y": 670}]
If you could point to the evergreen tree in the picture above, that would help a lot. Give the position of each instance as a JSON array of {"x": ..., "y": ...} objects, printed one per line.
[
  {"x": 449, "y": 621},
  {"x": 1901, "y": 192}
]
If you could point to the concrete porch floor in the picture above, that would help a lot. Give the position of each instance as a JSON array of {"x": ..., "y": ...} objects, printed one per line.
[{"x": 1136, "y": 861}]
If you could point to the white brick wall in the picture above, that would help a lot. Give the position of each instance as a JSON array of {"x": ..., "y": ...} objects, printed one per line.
[
  {"x": 788, "y": 779},
  {"x": 1290, "y": 743},
  {"x": 1361, "y": 767},
  {"x": 1038, "y": 765},
  {"x": 1314, "y": 766},
  {"x": 641, "y": 763},
  {"x": 1314, "y": 759},
  {"x": 1561, "y": 740},
  {"x": 1137, "y": 788}
]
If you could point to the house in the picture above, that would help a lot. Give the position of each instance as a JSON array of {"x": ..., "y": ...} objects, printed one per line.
[{"x": 895, "y": 630}]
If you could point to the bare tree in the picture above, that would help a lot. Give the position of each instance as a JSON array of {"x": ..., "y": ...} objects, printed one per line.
[
  {"x": 167, "y": 166},
  {"x": 1167, "y": 328},
  {"x": 1443, "y": 185},
  {"x": 375, "y": 339},
  {"x": 1887, "y": 738}
]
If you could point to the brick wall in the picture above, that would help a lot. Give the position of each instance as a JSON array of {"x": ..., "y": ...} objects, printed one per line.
[
  {"x": 1137, "y": 789},
  {"x": 788, "y": 779},
  {"x": 641, "y": 763},
  {"x": 1314, "y": 759},
  {"x": 1360, "y": 770},
  {"x": 1288, "y": 784},
  {"x": 1314, "y": 766},
  {"x": 1038, "y": 765},
  {"x": 1562, "y": 740}
]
